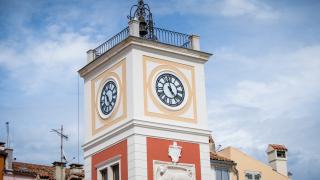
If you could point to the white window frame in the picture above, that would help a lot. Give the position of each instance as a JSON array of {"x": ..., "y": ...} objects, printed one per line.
[
  {"x": 108, "y": 165},
  {"x": 253, "y": 173}
]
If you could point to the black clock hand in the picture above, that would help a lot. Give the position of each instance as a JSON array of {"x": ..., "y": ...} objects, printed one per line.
[
  {"x": 170, "y": 89},
  {"x": 108, "y": 98}
]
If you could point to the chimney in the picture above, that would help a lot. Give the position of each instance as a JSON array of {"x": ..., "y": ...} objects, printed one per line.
[
  {"x": 76, "y": 169},
  {"x": 277, "y": 157},
  {"x": 60, "y": 170},
  {"x": 212, "y": 145},
  {"x": 9, "y": 159},
  {"x": 2, "y": 145}
]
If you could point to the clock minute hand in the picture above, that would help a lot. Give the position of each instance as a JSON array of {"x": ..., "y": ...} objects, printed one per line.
[{"x": 170, "y": 89}]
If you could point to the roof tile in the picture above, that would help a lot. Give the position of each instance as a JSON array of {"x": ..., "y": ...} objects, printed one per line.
[
  {"x": 278, "y": 147},
  {"x": 215, "y": 156}
]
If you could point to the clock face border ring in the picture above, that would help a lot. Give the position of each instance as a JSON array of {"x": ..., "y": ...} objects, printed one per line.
[
  {"x": 113, "y": 77},
  {"x": 154, "y": 97}
]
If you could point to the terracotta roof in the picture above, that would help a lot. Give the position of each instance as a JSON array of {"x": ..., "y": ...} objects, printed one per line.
[
  {"x": 43, "y": 171},
  {"x": 27, "y": 169},
  {"x": 215, "y": 156},
  {"x": 278, "y": 147}
]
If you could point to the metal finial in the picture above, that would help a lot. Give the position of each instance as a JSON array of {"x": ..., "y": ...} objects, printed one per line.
[{"x": 142, "y": 13}]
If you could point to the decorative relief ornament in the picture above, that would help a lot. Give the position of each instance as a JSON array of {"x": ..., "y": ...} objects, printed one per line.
[
  {"x": 169, "y": 171},
  {"x": 174, "y": 152}
]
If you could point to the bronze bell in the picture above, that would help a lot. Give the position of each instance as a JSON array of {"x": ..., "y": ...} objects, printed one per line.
[{"x": 142, "y": 27}]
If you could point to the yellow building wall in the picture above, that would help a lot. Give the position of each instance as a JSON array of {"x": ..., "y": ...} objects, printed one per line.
[{"x": 246, "y": 163}]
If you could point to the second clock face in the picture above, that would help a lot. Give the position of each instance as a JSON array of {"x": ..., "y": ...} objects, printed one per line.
[
  {"x": 170, "y": 89},
  {"x": 108, "y": 97}
]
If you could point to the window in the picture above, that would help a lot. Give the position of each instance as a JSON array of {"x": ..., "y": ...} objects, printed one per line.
[
  {"x": 253, "y": 176},
  {"x": 281, "y": 154},
  {"x": 109, "y": 170},
  {"x": 115, "y": 171},
  {"x": 104, "y": 174},
  {"x": 222, "y": 174}
]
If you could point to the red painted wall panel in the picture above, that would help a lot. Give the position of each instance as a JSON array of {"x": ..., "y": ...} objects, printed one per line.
[
  {"x": 115, "y": 150},
  {"x": 157, "y": 149}
]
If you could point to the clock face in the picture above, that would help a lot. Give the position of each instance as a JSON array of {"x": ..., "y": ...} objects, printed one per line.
[
  {"x": 170, "y": 89},
  {"x": 108, "y": 97}
]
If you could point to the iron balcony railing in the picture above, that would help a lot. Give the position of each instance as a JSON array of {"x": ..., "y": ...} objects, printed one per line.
[
  {"x": 157, "y": 34},
  {"x": 122, "y": 35},
  {"x": 171, "y": 37}
]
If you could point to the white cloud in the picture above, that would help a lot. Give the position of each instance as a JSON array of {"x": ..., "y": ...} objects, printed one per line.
[
  {"x": 274, "y": 103},
  {"x": 40, "y": 62},
  {"x": 253, "y": 8},
  {"x": 227, "y": 8}
]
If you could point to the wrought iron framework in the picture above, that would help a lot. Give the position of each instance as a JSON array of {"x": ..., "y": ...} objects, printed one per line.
[
  {"x": 172, "y": 38},
  {"x": 160, "y": 35},
  {"x": 142, "y": 13},
  {"x": 122, "y": 35}
]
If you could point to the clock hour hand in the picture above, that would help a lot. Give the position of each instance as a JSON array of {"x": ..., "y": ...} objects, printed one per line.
[
  {"x": 170, "y": 89},
  {"x": 108, "y": 98}
]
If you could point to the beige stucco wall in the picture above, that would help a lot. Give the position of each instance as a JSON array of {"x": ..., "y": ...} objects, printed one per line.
[{"x": 246, "y": 163}]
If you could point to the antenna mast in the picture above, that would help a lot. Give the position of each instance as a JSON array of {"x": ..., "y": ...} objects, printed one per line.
[
  {"x": 8, "y": 134},
  {"x": 78, "y": 116},
  {"x": 62, "y": 137}
]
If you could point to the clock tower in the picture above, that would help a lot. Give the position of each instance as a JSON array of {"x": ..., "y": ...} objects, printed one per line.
[{"x": 145, "y": 105}]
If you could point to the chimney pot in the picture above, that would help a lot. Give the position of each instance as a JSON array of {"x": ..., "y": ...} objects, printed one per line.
[
  {"x": 76, "y": 169},
  {"x": 277, "y": 157},
  {"x": 60, "y": 170},
  {"x": 9, "y": 158}
]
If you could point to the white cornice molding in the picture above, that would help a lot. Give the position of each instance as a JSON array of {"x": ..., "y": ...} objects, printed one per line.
[{"x": 147, "y": 125}]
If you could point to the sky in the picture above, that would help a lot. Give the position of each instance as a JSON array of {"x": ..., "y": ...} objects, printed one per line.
[{"x": 262, "y": 83}]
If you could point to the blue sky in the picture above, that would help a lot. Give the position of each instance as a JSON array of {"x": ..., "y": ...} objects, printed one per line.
[{"x": 263, "y": 81}]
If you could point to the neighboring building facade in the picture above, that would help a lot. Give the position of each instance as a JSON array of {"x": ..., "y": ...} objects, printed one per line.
[
  {"x": 248, "y": 168},
  {"x": 222, "y": 168},
  {"x": 3, "y": 156},
  {"x": 26, "y": 171},
  {"x": 12, "y": 170}
]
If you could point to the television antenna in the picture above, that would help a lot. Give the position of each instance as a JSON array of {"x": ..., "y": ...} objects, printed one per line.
[
  {"x": 8, "y": 134},
  {"x": 63, "y": 136}
]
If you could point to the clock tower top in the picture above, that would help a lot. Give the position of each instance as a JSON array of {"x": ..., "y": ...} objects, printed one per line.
[
  {"x": 145, "y": 87},
  {"x": 171, "y": 67}
]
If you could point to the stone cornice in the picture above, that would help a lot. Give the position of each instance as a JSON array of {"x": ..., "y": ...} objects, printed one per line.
[{"x": 131, "y": 124}]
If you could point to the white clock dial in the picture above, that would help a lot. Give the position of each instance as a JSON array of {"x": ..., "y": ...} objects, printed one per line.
[
  {"x": 170, "y": 89},
  {"x": 108, "y": 97}
]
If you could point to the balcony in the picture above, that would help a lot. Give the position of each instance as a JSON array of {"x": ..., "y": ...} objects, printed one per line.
[{"x": 158, "y": 35}]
